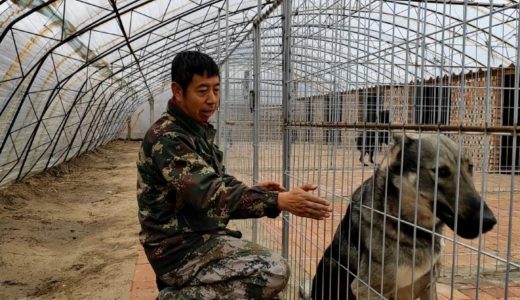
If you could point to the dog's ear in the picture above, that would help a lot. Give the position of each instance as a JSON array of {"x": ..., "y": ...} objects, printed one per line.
[
  {"x": 406, "y": 153},
  {"x": 399, "y": 138}
]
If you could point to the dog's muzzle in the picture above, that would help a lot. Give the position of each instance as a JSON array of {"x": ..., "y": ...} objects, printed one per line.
[
  {"x": 468, "y": 221},
  {"x": 488, "y": 219}
]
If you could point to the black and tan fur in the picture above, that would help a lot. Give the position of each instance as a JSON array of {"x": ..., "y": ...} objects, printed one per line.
[{"x": 399, "y": 260}]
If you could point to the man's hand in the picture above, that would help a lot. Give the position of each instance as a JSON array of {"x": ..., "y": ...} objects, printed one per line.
[
  {"x": 301, "y": 203},
  {"x": 272, "y": 186}
]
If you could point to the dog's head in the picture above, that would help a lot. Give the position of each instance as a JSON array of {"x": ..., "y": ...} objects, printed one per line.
[{"x": 430, "y": 164}]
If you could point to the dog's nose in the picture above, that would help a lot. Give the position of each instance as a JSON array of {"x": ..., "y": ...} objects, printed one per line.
[{"x": 488, "y": 219}]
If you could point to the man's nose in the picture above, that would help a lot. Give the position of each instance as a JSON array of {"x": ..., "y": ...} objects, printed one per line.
[{"x": 213, "y": 97}]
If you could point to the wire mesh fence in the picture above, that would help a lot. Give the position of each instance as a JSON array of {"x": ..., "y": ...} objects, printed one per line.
[{"x": 358, "y": 73}]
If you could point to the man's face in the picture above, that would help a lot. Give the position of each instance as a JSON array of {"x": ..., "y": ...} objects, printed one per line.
[{"x": 201, "y": 98}]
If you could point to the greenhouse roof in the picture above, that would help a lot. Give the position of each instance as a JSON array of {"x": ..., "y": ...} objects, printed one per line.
[{"x": 72, "y": 71}]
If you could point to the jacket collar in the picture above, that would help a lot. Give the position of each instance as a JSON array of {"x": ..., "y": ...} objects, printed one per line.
[{"x": 188, "y": 123}]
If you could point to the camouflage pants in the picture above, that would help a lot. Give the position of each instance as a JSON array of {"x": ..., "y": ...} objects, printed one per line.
[{"x": 226, "y": 267}]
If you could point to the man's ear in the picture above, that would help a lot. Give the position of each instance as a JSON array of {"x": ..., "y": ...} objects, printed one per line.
[{"x": 177, "y": 91}]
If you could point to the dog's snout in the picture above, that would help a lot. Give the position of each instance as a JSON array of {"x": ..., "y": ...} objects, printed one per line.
[
  {"x": 470, "y": 217},
  {"x": 488, "y": 219}
]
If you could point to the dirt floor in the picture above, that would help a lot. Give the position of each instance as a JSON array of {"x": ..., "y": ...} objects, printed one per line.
[{"x": 72, "y": 232}]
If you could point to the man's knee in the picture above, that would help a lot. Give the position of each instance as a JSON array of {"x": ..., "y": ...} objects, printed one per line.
[
  {"x": 278, "y": 273},
  {"x": 281, "y": 269}
]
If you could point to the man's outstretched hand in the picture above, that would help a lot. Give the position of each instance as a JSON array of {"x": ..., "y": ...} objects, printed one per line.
[{"x": 304, "y": 204}]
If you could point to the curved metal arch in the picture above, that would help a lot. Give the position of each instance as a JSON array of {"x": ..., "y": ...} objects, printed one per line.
[
  {"x": 107, "y": 125},
  {"x": 373, "y": 69},
  {"x": 93, "y": 98},
  {"x": 41, "y": 121},
  {"x": 94, "y": 123},
  {"x": 96, "y": 87},
  {"x": 61, "y": 83},
  {"x": 94, "y": 25},
  {"x": 136, "y": 7},
  {"x": 107, "y": 121},
  {"x": 31, "y": 139},
  {"x": 23, "y": 16},
  {"x": 118, "y": 58},
  {"x": 477, "y": 29},
  {"x": 137, "y": 36},
  {"x": 504, "y": 7},
  {"x": 417, "y": 54},
  {"x": 164, "y": 50},
  {"x": 311, "y": 74},
  {"x": 36, "y": 67},
  {"x": 119, "y": 119},
  {"x": 61, "y": 128},
  {"x": 136, "y": 91}
]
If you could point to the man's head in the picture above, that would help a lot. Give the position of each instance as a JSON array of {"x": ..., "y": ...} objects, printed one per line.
[{"x": 196, "y": 84}]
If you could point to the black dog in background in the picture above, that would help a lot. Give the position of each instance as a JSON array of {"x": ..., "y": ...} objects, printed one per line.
[{"x": 368, "y": 142}]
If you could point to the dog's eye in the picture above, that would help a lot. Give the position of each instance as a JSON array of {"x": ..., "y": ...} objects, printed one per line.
[{"x": 444, "y": 172}]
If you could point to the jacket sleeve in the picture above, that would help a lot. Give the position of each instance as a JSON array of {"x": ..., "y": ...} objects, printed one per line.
[{"x": 202, "y": 191}]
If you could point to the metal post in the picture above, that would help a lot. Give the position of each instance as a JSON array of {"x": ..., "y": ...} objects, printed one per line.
[
  {"x": 223, "y": 128},
  {"x": 152, "y": 109},
  {"x": 286, "y": 94},
  {"x": 129, "y": 127},
  {"x": 220, "y": 126},
  {"x": 256, "y": 107}
]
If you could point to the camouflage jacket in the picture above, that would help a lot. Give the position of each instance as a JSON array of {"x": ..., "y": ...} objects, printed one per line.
[{"x": 183, "y": 193}]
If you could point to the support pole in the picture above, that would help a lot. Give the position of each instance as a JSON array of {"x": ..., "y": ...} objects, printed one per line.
[
  {"x": 286, "y": 96},
  {"x": 152, "y": 109},
  {"x": 129, "y": 127},
  {"x": 256, "y": 106},
  {"x": 224, "y": 128}
]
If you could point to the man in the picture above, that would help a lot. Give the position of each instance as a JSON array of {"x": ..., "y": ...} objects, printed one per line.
[{"x": 186, "y": 199}]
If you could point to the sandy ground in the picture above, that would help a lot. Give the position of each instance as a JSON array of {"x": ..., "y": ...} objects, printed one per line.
[{"x": 72, "y": 232}]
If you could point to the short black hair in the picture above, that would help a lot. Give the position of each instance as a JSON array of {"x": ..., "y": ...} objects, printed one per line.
[{"x": 188, "y": 63}]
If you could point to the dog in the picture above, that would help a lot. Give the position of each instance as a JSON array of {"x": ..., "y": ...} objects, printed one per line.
[
  {"x": 377, "y": 251},
  {"x": 368, "y": 142}
]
